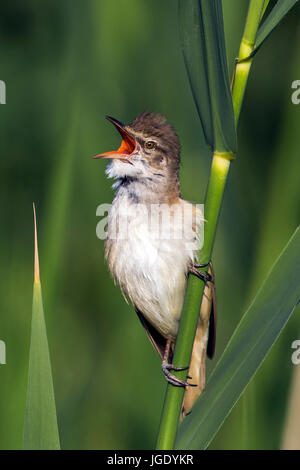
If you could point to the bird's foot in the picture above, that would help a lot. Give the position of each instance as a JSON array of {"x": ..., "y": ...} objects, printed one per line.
[
  {"x": 172, "y": 379},
  {"x": 204, "y": 265},
  {"x": 203, "y": 275}
]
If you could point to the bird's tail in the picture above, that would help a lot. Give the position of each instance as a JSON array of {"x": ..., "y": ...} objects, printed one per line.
[{"x": 203, "y": 344}]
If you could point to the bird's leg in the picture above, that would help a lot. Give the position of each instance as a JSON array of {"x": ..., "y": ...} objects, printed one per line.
[
  {"x": 204, "y": 276},
  {"x": 166, "y": 367}
]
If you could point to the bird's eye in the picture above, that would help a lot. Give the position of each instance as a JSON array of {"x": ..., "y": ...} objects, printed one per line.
[{"x": 150, "y": 145}]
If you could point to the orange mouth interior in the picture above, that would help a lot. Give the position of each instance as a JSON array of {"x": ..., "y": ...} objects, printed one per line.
[{"x": 128, "y": 146}]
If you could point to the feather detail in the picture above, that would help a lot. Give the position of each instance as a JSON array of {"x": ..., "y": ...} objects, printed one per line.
[{"x": 205, "y": 335}]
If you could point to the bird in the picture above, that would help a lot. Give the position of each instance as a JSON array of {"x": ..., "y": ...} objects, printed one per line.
[{"x": 151, "y": 261}]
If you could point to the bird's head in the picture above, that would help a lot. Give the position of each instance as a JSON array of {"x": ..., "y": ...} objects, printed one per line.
[{"x": 150, "y": 150}]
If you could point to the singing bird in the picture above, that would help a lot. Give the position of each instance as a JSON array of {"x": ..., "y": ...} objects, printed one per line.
[{"x": 152, "y": 271}]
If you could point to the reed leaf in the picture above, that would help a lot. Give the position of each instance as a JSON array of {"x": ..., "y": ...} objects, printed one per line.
[
  {"x": 248, "y": 347},
  {"x": 40, "y": 428},
  {"x": 203, "y": 46},
  {"x": 277, "y": 14}
]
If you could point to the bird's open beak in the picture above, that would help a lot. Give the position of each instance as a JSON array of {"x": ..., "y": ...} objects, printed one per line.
[{"x": 127, "y": 147}]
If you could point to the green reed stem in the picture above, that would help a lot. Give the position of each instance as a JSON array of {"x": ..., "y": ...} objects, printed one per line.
[
  {"x": 214, "y": 196},
  {"x": 244, "y": 61}
]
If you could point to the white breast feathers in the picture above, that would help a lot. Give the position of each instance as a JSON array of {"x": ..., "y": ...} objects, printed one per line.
[{"x": 149, "y": 249}]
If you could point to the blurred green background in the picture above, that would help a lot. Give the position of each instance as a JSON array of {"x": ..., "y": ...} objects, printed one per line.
[{"x": 66, "y": 64}]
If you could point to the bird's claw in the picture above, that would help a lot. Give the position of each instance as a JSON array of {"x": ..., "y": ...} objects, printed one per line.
[
  {"x": 171, "y": 378},
  {"x": 204, "y": 265},
  {"x": 203, "y": 275}
]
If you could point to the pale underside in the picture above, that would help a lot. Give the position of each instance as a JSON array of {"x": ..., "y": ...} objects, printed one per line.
[
  {"x": 151, "y": 266},
  {"x": 152, "y": 273}
]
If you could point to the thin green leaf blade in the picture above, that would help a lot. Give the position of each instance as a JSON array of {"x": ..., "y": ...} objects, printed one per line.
[
  {"x": 279, "y": 11},
  {"x": 248, "y": 347},
  {"x": 40, "y": 428},
  {"x": 203, "y": 45},
  {"x": 193, "y": 49}
]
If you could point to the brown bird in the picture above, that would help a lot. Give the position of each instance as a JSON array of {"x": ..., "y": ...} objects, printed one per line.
[{"x": 151, "y": 261}]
